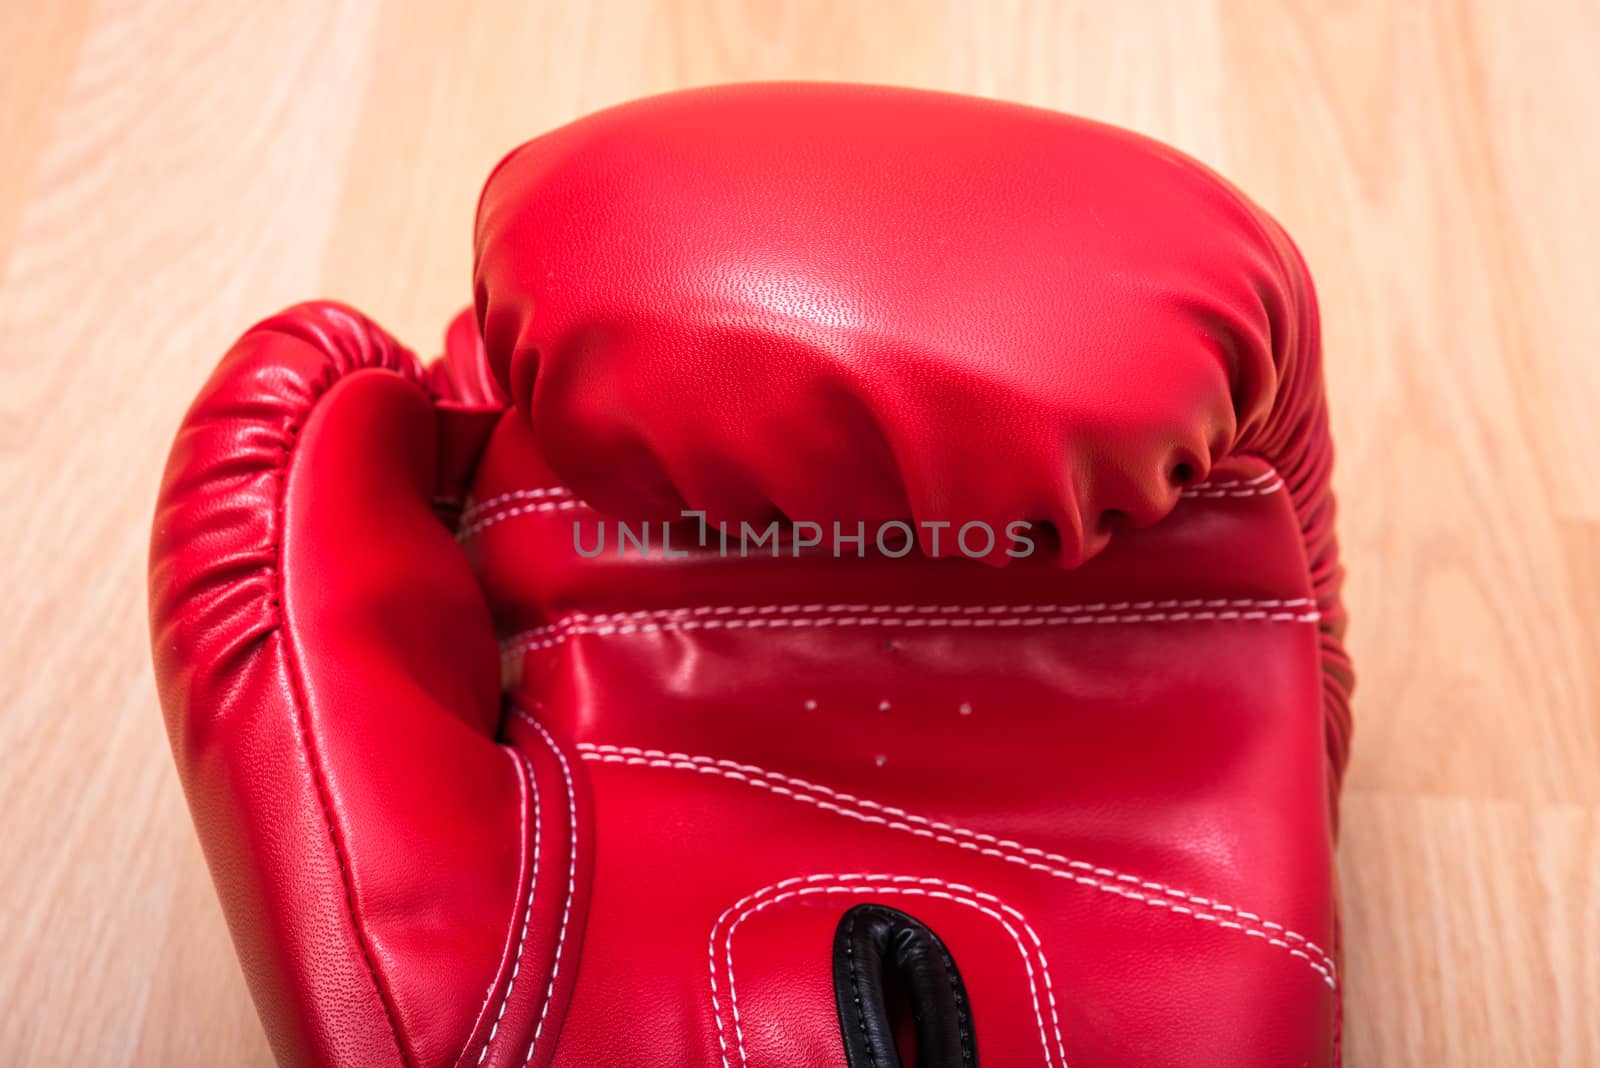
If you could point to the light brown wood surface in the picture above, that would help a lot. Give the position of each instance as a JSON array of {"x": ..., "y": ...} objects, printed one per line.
[{"x": 170, "y": 172}]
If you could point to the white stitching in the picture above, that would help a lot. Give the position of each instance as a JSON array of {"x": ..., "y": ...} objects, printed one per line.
[
  {"x": 1053, "y": 864},
  {"x": 950, "y": 894},
  {"x": 920, "y": 616},
  {"x": 698, "y": 611},
  {"x": 1263, "y": 491},
  {"x": 558, "y": 493},
  {"x": 530, "y": 788},
  {"x": 1265, "y": 476},
  {"x": 474, "y": 529},
  {"x": 872, "y": 884},
  {"x": 572, "y": 878},
  {"x": 1261, "y": 485},
  {"x": 740, "y": 773}
]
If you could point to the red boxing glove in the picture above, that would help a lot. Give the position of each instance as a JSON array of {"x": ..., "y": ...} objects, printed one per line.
[{"x": 905, "y": 524}]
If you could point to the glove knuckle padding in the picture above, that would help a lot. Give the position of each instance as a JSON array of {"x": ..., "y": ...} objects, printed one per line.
[{"x": 974, "y": 311}]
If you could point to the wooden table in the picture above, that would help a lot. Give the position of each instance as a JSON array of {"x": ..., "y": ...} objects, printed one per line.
[{"x": 171, "y": 173}]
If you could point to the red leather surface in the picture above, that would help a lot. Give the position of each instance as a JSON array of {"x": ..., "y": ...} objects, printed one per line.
[
  {"x": 1127, "y": 754},
  {"x": 1103, "y": 774}
]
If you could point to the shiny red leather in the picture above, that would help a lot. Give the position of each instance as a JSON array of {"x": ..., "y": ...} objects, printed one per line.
[{"x": 473, "y": 796}]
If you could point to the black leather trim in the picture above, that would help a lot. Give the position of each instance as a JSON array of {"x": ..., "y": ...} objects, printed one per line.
[{"x": 875, "y": 946}]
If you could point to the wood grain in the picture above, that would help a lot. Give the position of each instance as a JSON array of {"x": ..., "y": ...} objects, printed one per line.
[{"x": 174, "y": 171}]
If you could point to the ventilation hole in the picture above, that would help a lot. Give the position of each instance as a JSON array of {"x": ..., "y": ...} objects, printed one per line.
[{"x": 1182, "y": 473}]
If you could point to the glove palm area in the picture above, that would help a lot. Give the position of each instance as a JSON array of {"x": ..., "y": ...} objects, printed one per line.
[{"x": 471, "y": 796}]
